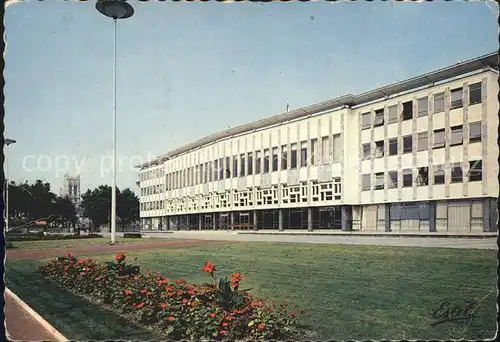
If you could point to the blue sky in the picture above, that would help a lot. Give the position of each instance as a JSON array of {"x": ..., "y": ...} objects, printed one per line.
[{"x": 186, "y": 70}]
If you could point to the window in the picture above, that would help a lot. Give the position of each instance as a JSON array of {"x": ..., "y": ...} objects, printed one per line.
[
  {"x": 293, "y": 156},
  {"x": 221, "y": 169},
  {"x": 250, "y": 163},
  {"x": 423, "y": 105},
  {"x": 284, "y": 158},
  {"x": 457, "y": 135},
  {"x": 258, "y": 161},
  {"x": 407, "y": 110},
  {"x": 393, "y": 114},
  {"x": 235, "y": 166},
  {"x": 422, "y": 141},
  {"x": 325, "y": 150},
  {"x": 393, "y": 180},
  {"x": 366, "y": 151},
  {"x": 475, "y": 171},
  {"x": 228, "y": 167},
  {"x": 456, "y": 98},
  {"x": 210, "y": 173},
  {"x": 242, "y": 165},
  {"x": 439, "y": 174},
  {"x": 337, "y": 148},
  {"x": 438, "y": 102},
  {"x": 366, "y": 120},
  {"x": 474, "y": 132},
  {"x": 379, "y": 181},
  {"x": 393, "y": 147},
  {"x": 456, "y": 173},
  {"x": 266, "y": 160},
  {"x": 314, "y": 150},
  {"x": 275, "y": 159},
  {"x": 474, "y": 93},
  {"x": 379, "y": 149},
  {"x": 423, "y": 176},
  {"x": 365, "y": 182},
  {"x": 407, "y": 177},
  {"x": 438, "y": 138},
  {"x": 379, "y": 118},
  {"x": 303, "y": 154},
  {"x": 216, "y": 171},
  {"x": 407, "y": 144}
]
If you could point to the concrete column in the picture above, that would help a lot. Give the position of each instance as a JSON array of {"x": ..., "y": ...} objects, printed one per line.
[
  {"x": 231, "y": 219},
  {"x": 346, "y": 212},
  {"x": 487, "y": 217},
  {"x": 309, "y": 220},
  {"x": 214, "y": 221},
  {"x": 280, "y": 219},
  {"x": 188, "y": 227},
  {"x": 201, "y": 217},
  {"x": 255, "y": 223},
  {"x": 432, "y": 216},
  {"x": 387, "y": 216}
]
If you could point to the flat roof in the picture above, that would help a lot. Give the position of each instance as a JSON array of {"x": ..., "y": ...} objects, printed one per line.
[{"x": 486, "y": 61}]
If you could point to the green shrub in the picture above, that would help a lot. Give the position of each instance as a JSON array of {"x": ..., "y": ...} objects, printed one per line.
[
  {"x": 218, "y": 310},
  {"x": 132, "y": 235},
  {"x": 41, "y": 236}
]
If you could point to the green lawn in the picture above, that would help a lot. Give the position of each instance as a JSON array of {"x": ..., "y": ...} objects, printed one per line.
[
  {"x": 348, "y": 292},
  {"x": 72, "y": 243}
]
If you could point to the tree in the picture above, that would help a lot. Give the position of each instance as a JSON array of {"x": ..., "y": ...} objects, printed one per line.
[
  {"x": 65, "y": 212},
  {"x": 127, "y": 207},
  {"x": 96, "y": 204}
]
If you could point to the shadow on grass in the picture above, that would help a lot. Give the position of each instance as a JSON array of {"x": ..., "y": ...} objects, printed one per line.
[{"x": 74, "y": 317}]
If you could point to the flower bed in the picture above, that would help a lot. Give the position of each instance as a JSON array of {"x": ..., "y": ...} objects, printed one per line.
[
  {"x": 41, "y": 236},
  {"x": 218, "y": 310}
]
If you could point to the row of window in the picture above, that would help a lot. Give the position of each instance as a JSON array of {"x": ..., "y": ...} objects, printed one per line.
[
  {"x": 422, "y": 143},
  {"x": 325, "y": 150},
  {"x": 474, "y": 96},
  {"x": 152, "y": 190},
  {"x": 151, "y": 174},
  {"x": 456, "y": 176}
]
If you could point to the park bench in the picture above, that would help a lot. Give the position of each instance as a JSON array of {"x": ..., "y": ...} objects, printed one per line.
[{"x": 243, "y": 226}]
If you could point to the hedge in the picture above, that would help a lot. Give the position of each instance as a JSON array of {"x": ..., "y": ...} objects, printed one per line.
[
  {"x": 40, "y": 236},
  {"x": 132, "y": 235},
  {"x": 218, "y": 310}
]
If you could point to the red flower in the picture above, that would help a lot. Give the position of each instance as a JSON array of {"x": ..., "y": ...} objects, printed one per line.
[
  {"x": 236, "y": 279},
  {"x": 140, "y": 305},
  {"x": 170, "y": 294},
  {"x": 212, "y": 314},
  {"x": 224, "y": 324},
  {"x": 148, "y": 294},
  {"x": 99, "y": 278},
  {"x": 170, "y": 288},
  {"x": 69, "y": 255},
  {"x": 180, "y": 293},
  {"x": 229, "y": 318},
  {"x": 191, "y": 292},
  {"x": 143, "y": 291},
  {"x": 185, "y": 301},
  {"x": 180, "y": 281},
  {"x": 164, "y": 281},
  {"x": 120, "y": 257},
  {"x": 128, "y": 292},
  {"x": 223, "y": 332},
  {"x": 209, "y": 267},
  {"x": 260, "y": 326},
  {"x": 292, "y": 314},
  {"x": 163, "y": 305},
  {"x": 255, "y": 303},
  {"x": 171, "y": 318}
]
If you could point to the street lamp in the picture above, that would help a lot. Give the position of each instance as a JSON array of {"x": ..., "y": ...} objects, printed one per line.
[
  {"x": 115, "y": 9},
  {"x": 7, "y": 143}
]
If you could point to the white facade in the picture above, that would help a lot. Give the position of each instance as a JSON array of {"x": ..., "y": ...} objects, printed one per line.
[{"x": 350, "y": 163}]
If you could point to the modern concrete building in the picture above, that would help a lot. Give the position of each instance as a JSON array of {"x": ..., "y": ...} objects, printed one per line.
[{"x": 420, "y": 155}]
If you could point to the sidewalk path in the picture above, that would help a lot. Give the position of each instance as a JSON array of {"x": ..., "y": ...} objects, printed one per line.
[
  {"x": 21, "y": 325},
  {"x": 438, "y": 242},
  {"x": 85, "y": 250}
]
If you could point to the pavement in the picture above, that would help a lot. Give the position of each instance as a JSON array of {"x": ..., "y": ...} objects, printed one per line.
[
  {"x": 24, "y": 324},
  {"x": 401, "y": 241}
]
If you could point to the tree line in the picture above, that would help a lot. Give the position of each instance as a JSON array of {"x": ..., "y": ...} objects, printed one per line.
[{"x": 29, "y": 203}]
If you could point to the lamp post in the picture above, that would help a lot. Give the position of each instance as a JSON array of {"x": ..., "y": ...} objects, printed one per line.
[
  {"x": 7, "y": 143},
  {"x": 115, "y": 9}
]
